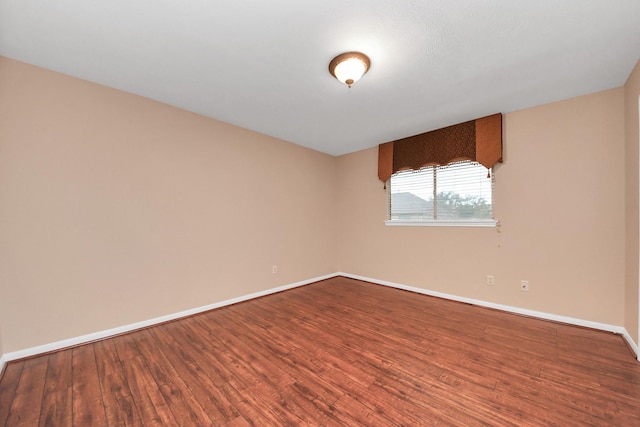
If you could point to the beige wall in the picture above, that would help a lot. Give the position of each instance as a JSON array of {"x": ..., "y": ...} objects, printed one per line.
[
  {"x": 116, "y": 209},
  {"x": 559, "y": 197},
  {"x": 632, "y": 92}
]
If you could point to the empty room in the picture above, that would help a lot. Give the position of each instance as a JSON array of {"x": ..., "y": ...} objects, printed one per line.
[{"x": 304, "y": 213}]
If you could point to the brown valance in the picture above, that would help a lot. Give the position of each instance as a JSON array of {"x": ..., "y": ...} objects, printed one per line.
[{"x": 479, "y": 140}]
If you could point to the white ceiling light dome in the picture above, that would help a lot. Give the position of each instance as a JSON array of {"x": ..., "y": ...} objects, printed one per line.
[{"x": 349, "y": 67}]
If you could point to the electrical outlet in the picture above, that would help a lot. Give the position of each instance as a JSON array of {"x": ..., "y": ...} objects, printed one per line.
[
  {"x": 274, "y": 269},
  {"x": 491, "y": 280},
  {"x": 524, "y": 285}
]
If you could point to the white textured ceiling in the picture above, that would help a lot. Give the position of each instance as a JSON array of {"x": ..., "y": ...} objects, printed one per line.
[{"x": 262, "y": 65}]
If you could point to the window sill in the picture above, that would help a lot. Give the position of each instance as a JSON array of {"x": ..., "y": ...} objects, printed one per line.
[{"x": 478, "y": 223}]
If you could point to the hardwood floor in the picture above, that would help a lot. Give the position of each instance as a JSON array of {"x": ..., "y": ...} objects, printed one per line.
[{"x": 337, "y": 353}]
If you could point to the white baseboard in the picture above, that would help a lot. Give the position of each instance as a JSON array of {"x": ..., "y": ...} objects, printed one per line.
[
  {"x": 71, "y": 342},
  {"x": 2, "y": 362},
  {"x": 58, "y": 345},
  {"x": 631, "y": 343},
  {"x": 538, "y": 314}
]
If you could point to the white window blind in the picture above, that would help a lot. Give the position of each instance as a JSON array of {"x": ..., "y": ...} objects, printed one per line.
[{"x": 459, "y": 191}]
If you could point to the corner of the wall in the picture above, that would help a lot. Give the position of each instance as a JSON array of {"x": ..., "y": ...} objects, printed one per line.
[
  {"x": 2, "y": 363},
  {"x": 631, "y": 343}
]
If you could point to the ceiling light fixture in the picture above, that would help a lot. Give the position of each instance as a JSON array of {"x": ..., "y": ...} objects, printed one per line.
[{"x": 349, "y": 67}]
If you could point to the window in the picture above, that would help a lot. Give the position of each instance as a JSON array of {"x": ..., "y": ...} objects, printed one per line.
[{"x": 459, "y": 193}]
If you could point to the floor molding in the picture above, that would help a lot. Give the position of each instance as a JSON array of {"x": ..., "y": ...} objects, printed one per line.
[
  {"x": 511, "y": 309},
  {"x": 72, "y": 342},
  {"x": 2, "y": 363},
  {"x": 84, "y": 339},
  {"x": 631, "y": 343}
]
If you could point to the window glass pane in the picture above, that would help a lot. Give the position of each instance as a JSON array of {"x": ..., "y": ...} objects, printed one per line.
[
  {"x": 463, "y": 192},
  {"x": 412, "y": 195}
]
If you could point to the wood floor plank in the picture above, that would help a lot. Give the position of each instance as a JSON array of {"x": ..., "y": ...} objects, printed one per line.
[
  {"x": 24, "y": 410},
  {"x": 339, "y": 352},
  {"x": 242, "y": 364},
  {"x": 57, "y": 404},
  {"x": 119, "y": 403},
  {"x": 150, "y": 401},
  {"x": 8, "y": 388},
  {"x": 182, "y": 384},
  {"x": 299, "y": 363},
  {"x": 88, "y": 407}
]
